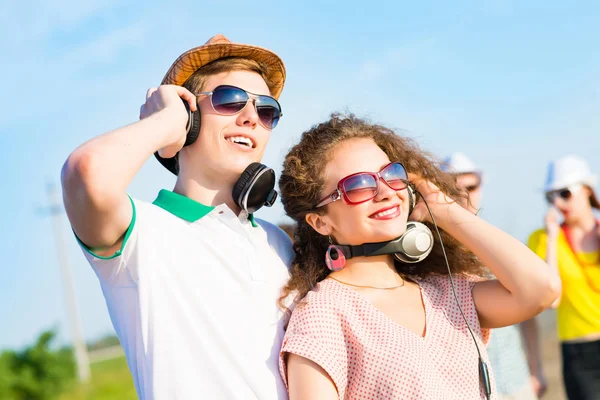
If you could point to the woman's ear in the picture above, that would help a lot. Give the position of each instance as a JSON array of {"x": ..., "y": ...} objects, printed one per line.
[{"x": 319, "y": 223}]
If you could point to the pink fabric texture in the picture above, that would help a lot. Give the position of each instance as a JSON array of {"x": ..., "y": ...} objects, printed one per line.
[{"x": 368, "y": 356}]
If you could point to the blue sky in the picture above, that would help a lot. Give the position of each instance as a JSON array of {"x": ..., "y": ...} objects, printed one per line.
[{"x": 511, "y": 84}]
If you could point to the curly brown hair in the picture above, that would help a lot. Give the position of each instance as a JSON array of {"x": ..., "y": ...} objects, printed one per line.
[{"x": 302, "y": 182}]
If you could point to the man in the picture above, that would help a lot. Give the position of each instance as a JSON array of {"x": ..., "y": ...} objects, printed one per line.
[
  {"x": 512, "y": 371},
  {"x": 191, "y": 281}
]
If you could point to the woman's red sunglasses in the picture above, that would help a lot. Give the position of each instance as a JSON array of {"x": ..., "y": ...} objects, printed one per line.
[{"x": 364, "y": 186}]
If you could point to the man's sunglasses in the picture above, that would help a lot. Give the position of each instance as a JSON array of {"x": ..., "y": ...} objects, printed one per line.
[
  {"x": 230, "y": 100},
  {"x": 564, "y": 194},
  {"x": 364, "y": 186}
]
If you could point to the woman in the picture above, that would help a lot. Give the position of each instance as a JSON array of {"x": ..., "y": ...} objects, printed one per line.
[
  {"x": 573, "y": 248},
  {"x": 378, "y": 328}
]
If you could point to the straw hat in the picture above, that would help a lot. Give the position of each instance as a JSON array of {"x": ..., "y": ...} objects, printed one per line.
[{"x": 218, "y": 47}]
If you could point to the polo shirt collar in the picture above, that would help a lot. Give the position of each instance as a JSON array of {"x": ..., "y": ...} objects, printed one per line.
[{"x": 184, "y": 207}]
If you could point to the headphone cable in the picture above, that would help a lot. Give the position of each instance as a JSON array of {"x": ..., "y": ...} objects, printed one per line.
[{"x": 484, "y": 375}]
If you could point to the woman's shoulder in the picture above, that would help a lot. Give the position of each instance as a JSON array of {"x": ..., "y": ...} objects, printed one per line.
[
  {"x": 537, "y": 235},
  {"x": 325, "y": 295},
  {"x": 329, "y": 299},
  {"x": 322, "y": 308}
]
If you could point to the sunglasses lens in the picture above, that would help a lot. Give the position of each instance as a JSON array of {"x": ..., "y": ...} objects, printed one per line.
[
  {"x": 565, "y": 194},
  {"x": 268, "y": 111},
  {"x": 228, "y": 100},
  {"x": 395, "y": 175},
  {"x": 359, "y": 188}
]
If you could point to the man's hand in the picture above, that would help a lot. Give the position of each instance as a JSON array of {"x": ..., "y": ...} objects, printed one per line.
[{"x": 165, "y": 103}]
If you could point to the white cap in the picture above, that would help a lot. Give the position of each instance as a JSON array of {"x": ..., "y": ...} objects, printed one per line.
[
  {"x": 570, "y": 170},
  {"x": 458, "y": 163}
]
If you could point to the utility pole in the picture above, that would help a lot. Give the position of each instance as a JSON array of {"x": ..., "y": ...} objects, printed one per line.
[{"x": 79, "y": 346}]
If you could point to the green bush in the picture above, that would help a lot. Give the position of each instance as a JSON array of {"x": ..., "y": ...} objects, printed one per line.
[{"x": 37, "y": 372}]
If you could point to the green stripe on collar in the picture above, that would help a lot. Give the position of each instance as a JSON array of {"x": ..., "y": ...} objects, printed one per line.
[
  {"x": 186, "y": 208},
  {"x": 251, "y": 218},
  {"x": 181, "y": 206}
]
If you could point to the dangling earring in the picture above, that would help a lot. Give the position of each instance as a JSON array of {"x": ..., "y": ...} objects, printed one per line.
[{"x": 334, "y": 258}]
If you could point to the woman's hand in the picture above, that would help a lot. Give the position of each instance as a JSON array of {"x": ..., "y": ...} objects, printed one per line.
[
  {"x": 551, "y": 220},
  {"x": 437, "y": 200}
]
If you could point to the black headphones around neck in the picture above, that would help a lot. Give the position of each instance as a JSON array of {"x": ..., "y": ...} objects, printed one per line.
[{"x": 255, "y": 188}]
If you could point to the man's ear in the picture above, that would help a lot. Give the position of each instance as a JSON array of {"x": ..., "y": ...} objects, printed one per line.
[{"x": 319, "y": 223}]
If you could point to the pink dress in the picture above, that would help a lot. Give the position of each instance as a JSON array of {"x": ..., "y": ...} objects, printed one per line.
[{"x": 368, "y": 356}]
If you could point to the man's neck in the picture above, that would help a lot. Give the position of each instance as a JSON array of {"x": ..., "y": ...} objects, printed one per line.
[{"x": 207, "y": 192}]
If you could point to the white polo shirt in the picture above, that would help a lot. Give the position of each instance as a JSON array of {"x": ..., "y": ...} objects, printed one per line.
[{"x": 192, "y": 296}]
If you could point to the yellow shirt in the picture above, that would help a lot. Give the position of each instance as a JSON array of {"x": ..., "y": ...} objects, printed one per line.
[{"x": 578, "y": 314}]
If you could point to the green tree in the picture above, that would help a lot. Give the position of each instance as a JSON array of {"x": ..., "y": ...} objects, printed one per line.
[
  {"x": 37, "y": 372},
  {"x": 7, "y": 377}
]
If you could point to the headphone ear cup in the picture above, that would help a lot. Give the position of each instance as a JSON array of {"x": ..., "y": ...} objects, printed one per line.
[
  {"x": 243, "y": 183},
  {"x": 417, "y": 243},
  {"x": 193, "y": 125}
]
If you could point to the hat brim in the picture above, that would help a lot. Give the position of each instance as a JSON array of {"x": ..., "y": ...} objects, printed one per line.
[{"x": 192, "y": 60}]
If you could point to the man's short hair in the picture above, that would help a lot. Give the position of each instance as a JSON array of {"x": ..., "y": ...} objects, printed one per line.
[{"x": 195, "y": 83}]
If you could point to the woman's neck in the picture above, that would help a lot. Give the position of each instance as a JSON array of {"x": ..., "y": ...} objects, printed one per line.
[
  {"x": 584, "y": 234},
  {"x": 378, "y": 271},
  {"x": 585, "y": 223}
]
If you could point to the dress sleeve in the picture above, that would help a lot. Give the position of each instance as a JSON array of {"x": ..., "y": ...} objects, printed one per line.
[{"x": 315, "y": 332}]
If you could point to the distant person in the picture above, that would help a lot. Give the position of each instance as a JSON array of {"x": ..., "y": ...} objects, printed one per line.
[
  {"x": 570, "y": 242},
  {"x": 288, "y": 228},
  {"x": 505, "y": 348}
]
